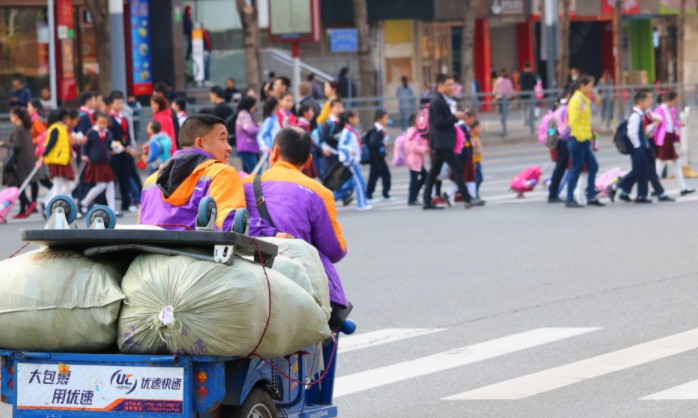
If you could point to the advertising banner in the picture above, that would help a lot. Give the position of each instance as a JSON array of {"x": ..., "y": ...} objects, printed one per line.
[{"x": 140, "y": 48}]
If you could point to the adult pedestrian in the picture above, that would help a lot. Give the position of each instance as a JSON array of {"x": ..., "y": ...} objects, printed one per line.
[
  {"x": 267, "y": 86},
  {"x": 221, "y": 108},
  {"x": 167, "y": 92},
  {"x": 667, "y": 135},
  {"x": 442, "y": 140},
  {"x": 20, "y": 94},
  {"x": 503, "y": 93},
  {"x": 305, "y": 93},
  {"x": 316, "y": 86},
  {"x": 562, "y": 154},
  {"x": 347, "y": 87},
  {"x": 280, "y": 87},
  {"x": 605, "y": 89},
  {"x": 246, "y": 130},
  {"x": 163, "y": 114},
  {"x": 232, "y": 93},
  {"x": 332, "y": 94},
  {"x": 580, "y": 144},
  {"x": 187, "y": 29},
  {"x": 376, "y": 139},
  {"x": 22, "y": 148},
  {"x": 406, "y": 102},
  {"x": 527, "y": 85}
]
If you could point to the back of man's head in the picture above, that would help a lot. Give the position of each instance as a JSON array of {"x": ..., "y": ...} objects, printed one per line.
[
  {"x": 294, "y": 145},
  {"x": 218, "y": 92},
  {"x": 442, "y": 78},
  {"x": 197, "y": 126},
  {"x": 304, "y": 88}
]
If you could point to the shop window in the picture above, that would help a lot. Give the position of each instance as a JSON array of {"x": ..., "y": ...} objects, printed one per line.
[{"x": 23, "y": 50}]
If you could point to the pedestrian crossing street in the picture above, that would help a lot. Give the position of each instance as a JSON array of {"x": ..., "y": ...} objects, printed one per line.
[
  {"x": 547, "y": 380},
  {"x": 499, "y": 167}
]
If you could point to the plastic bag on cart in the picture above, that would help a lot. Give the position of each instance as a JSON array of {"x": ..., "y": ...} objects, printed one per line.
[
  {"x": 58, "y": 300},
  {"x": 300, "y": 262},
  {"x": 184, "y": 306}
]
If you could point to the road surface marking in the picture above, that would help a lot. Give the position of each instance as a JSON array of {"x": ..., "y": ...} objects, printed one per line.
[
  {"x": 380, "y": 337},
  {"x": 558, "y": 377},
  {"x": 688, "y": 391},
  {"x": 382, "y": 376}
]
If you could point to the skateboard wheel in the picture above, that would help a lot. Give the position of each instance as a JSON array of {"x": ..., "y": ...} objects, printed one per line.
[
  {"x": 207, "y": 209},
  {"x": 242, "y": 221},
  {"x": 101, "y": 211},
  {"x": 65, "y": 202}
]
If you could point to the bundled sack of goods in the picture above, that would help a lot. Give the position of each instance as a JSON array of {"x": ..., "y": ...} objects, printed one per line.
[
  {"x": 180, "y": 305},
  {"x": 59, "y": 300},
  {"x": 300, "y": 262}
]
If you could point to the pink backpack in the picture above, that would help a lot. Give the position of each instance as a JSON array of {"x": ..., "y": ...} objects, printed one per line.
[
  {"x": 545, "y": 126},
  {"x": 460, "y": 140},
  {"x": 526, "y": 180},
  {"x": 399, "y": 150},
  {"x": 422, "y": 121},
  {"x": 39, "y": 147}
]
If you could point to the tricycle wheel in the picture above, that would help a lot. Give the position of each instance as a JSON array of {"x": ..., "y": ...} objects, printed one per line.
[{"x": 257, "y": 405}]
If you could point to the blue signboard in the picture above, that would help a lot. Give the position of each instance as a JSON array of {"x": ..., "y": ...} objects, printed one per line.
[
  {"x": 140, "y": 48},
  {"x": 344, "y": 40}
]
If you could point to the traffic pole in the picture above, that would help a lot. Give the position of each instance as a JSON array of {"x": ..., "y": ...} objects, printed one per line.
[
  {"x": 118, "y": 47},
  {"x": 52, "y": 52},
  {"x": 296, "y": 54},
  {"x": 551, "y": 18}
]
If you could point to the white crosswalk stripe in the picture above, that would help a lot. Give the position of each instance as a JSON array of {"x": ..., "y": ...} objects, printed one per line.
[
  {"x": 687, "y": 391},
  {"x": 558, "y": 377},
  {"x": 380, "y": 337},
  {"x": 381, "y": 376}
]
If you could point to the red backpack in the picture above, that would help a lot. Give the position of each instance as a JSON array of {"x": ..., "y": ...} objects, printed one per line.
[{"x": 422, "y": 121}]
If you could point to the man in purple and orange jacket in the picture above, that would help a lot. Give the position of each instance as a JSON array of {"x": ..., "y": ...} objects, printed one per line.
[
  {"x": 171, "y": 195},
  {"x": 298, "y": 206}
]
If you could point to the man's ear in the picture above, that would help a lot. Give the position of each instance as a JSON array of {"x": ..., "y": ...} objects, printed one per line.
[
  {"x": 274, "y": 156},
  {"x": 199, "y": 143},
  {"x": 308, "y": 162}
]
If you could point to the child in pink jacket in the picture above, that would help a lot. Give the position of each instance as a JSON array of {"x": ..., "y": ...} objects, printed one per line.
[{"x": 416, "y": 149}]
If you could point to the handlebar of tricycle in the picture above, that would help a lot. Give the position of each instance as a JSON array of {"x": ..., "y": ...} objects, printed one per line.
[{"x": 348, "y": 327}]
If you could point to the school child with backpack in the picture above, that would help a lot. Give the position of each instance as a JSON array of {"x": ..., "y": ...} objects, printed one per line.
[
  {"x": 349, "y": 148},
  {"x": 269, "y": 129},
  {"x": 561, "y": 132},
  {"x": 328, "y": 136},
  {"x": 376, "y": 139},
  {"x": 633, "y": 137},
  {"x": 416, "y": 150},
  {"x": 158, "y": 146},
  {"x": 477, "y": 155},
  {"x": 97, "y": 153}
]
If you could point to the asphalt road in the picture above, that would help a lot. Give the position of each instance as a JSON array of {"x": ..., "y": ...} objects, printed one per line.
[{"x": 517, "y": 309}]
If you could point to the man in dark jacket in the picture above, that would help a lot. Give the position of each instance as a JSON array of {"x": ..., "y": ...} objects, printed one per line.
[
  {"x": 442, "y": 139},
  {"x": 527, "y": 85}
]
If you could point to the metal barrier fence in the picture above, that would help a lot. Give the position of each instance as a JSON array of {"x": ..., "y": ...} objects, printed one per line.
[{"x": 516, "y": 116}]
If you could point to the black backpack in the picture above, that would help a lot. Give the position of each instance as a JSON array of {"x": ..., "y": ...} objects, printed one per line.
[{"x": 621, "y": 139}]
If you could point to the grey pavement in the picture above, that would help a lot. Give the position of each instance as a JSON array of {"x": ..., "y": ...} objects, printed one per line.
[{"x": 516, "y": 309}]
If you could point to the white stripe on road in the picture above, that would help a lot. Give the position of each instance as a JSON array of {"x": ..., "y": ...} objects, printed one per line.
[
  {"x": 380, "y": 337},
  {"x": 555, "y": 378},
  {"x": 382, "y": 376},
  {"x": 688, "y": 391}
]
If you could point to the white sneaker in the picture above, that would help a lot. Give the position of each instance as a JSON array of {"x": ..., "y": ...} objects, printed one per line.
[
  {"x": 133, "y": 209},
  {"x": 365, "y": 208},
  {"x": 389, "y": 199}
]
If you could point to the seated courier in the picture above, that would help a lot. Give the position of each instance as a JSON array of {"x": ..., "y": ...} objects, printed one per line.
[
  {"x": 296, "y": 206},
  {"x": 171, "y": 195}
]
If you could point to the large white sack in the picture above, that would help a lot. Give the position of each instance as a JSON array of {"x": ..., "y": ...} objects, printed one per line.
[
  {"x": 300, "y": 262},
  {"x": 58, "y": 300},
  {"x": 183, "y": 306}
]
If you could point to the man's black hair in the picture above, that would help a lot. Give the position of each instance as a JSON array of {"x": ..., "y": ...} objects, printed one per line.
[
  {"x": 294, "y": 145},
  {"x": 117, "y": 95},
  {"x": 218, "y": 91},
  {"x": 379, "y": 114},
  {"x": 197, "y": 126},
  {"x": 181, "y": 103},
  {"x": 442, "y": 78}
]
